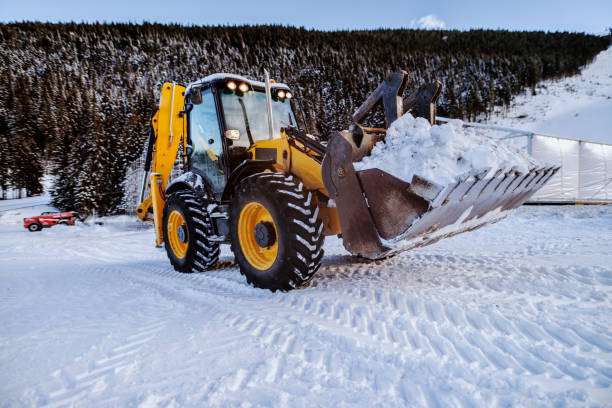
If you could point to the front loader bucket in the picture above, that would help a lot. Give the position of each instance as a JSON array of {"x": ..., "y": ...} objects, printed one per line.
[{"x": 381, "y": 214}]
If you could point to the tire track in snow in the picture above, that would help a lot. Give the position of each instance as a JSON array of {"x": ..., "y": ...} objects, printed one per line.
[
  {"x": 441, "y": 329},
  {"x": 264, "y": 329},
  {"x": 397, "y": 329},
  {"x": 74, "y": 382},
  {"x": 495, "y": 325},
  {"x": 209, "y": 293}
]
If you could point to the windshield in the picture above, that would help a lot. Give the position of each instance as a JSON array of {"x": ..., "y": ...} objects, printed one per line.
[{"x": 248, "y": 114}]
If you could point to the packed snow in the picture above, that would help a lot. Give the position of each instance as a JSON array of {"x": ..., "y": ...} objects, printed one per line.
[
  {"x": 515, "y": 314},
  {"x": 440, "y": 153},
  {"x": 578, "y": 107}
]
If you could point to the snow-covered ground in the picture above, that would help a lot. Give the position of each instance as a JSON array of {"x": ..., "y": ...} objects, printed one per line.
[
  {"x": 29, "y": 202},
  {"x": 516, "y": 314},
  {"x": 578, "y": 107}
]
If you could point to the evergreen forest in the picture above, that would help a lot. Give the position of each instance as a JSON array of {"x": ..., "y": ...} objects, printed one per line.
[{"x": 76, "y": 99}]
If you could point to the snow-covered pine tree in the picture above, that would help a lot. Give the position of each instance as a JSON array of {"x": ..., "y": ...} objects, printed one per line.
[
  {"x": 27, "y": 168},
  {"x": 92, "y": 180}
]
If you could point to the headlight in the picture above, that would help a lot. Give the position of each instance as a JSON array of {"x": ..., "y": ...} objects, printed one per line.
[
  {"x": 243, "y": 87},
  {"x": 281, "y": 94},
  {"x": 231, "y": 85},
  {"x": 288, "y": 95}
]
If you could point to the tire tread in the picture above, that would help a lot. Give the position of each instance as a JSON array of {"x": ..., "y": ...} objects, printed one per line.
[
  {"x": 202, "y": 254},
  {"x": 305, "y": 249}
]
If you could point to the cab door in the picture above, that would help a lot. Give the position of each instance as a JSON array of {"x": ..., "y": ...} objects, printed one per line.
[{"x": 207, "y": 142}]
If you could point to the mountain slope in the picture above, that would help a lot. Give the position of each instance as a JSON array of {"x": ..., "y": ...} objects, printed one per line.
[{"x": 577, "y": 107}]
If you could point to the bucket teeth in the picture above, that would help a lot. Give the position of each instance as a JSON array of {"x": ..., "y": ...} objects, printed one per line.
[
  {"x": 474, "y": 200},
  {"x": 444, "y": 193}
]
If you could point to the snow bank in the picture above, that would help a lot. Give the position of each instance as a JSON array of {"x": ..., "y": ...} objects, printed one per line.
[
  {"x": 16, "y": 216},
  {"x": 440, "y": 153}
]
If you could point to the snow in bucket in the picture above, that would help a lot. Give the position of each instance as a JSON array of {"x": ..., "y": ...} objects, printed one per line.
[{"x": 440, "y": 153}]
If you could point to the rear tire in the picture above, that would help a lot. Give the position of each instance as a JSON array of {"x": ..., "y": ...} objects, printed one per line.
[
  {"x": 187, "y": 226},
  {"x": 284, "y": 212},
  {"x": 34, "y": 227}
]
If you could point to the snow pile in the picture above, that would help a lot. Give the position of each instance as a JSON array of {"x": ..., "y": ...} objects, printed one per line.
[
  {"x": 15, "y": 216},
  {"x": 440, "y": 153}
]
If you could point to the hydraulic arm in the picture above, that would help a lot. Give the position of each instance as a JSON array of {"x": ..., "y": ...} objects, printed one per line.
[{"x": 169, "y": 133}]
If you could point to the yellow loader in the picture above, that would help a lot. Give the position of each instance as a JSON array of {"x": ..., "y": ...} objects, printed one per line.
[{"x": 256, "y": 181}]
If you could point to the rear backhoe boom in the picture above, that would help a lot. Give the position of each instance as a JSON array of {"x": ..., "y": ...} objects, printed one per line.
[{"x": 168, "y": 134}]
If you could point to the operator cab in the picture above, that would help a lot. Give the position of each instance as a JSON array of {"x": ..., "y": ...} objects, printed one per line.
[{"x": 226, "y": 114}]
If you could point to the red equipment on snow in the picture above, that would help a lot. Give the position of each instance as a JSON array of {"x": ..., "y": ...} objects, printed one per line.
[{"x": 49, "y": 219}]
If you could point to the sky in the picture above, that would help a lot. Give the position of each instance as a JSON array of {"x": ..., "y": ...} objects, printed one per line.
[{"x": 591, "y": 16}]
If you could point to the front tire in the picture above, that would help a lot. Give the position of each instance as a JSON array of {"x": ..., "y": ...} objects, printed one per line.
[
  {"x": 187, "y": 227},
  {"x": 34, "y": 227},
  {"x": 276, "y": 236}
]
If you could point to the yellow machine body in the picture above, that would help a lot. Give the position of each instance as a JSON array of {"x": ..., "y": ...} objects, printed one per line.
[
  {"x": 304, "y": 166},
  {"x": 376, "y": 213},
  {"x": 169, "y": 126}
]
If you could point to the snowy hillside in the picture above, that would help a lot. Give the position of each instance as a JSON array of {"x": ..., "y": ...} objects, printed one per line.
[
  {"x": 516, "y": 314},
  {"x": 96, "y": 86},
  {"x": 578, "y": 107}
]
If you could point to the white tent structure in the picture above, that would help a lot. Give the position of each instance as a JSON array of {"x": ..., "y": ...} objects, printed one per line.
[{"x": 586, "y": 167}]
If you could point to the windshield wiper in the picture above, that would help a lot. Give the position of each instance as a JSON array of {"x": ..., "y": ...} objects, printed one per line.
[{"x": 246, "y": 121}]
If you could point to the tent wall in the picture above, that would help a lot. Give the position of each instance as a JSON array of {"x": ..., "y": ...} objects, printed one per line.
[{"x": 586, "y": 169}]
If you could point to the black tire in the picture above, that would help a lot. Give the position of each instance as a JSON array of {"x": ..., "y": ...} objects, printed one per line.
[
  {"x": 34, "y": 227},
  {"x": 298, "y": 230},
  {"x": 201, "y": 254}
]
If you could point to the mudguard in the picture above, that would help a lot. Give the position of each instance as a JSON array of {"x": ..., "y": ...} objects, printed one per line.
[{"x": 190, "y": 181}]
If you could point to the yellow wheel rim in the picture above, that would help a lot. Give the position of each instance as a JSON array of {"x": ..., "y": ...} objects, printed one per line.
[
  {"x": 252, "y": 214},
  {"x": 177, "y": 234}
]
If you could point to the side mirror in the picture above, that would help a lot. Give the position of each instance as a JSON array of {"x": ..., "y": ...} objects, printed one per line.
[
  {"x": 189, "y": 150},
  {"x": 232, "y": 134},
  {"x": 196, "y": 96}
]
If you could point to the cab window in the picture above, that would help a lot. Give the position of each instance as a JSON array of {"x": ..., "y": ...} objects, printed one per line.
[
  {"x": 248, "y": 113},
  {"x": 206, "y": 140}
]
